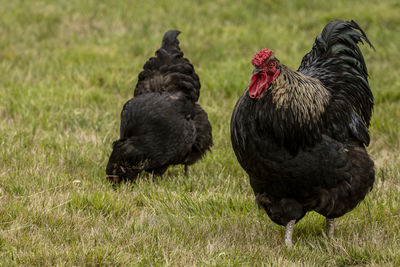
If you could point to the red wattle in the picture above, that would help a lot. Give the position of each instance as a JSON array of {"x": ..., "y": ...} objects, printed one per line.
[{"x": 257, "y": 84}]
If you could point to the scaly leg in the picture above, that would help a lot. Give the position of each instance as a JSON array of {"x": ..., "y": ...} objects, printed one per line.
[
  {"x": 289, "y": 233},
  {"x": 186, "y": 170},
  {"x": 330, "y": 227}
]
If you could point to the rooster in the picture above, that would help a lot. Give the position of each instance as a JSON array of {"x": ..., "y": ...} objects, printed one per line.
[
  {"x": 301, "y": 135},
  {"x": 162, "y": 125}
]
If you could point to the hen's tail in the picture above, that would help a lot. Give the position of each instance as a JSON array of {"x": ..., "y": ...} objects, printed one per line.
[
  {"x": 169, "y": 71},
  {"x": 170, "y": 43},
  {"x": 337, "y": 61}
]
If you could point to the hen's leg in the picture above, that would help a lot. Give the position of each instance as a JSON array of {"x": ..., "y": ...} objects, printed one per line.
[
  {"x": 330, "y": 227},
  {"x": 159, "y": 171},
  {"x": 186, "y": 172},
  {"x": 289, "y": 233}
]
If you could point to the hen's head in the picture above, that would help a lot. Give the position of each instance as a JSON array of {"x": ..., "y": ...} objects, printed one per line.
[
  {"x": 265, "y": 72},
  {"x": 118, "y": 167}
]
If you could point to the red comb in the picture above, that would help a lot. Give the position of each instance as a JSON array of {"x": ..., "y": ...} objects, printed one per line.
[{"x": 261, "y": 57}]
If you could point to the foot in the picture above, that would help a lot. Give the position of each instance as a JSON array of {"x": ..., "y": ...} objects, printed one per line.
[
  {"x": 289, "y": 233},
  {"x": 330, "y": 227}
]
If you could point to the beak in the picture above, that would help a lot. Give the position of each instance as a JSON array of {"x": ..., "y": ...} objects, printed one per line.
[
  {"x": 256, "y": 70},
  {"x": 113, "y": 178}
]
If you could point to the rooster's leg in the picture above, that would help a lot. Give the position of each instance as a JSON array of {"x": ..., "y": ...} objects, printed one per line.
[
  {"x": 186, "y": 170},
  {"x": 289, "y": 233},
  {"x": 330, "y": 227}
]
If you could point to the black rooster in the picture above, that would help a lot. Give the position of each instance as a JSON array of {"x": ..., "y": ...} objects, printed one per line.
[
  {"x": 162, "y": 125},
  {"x": 301, "y": 135}
]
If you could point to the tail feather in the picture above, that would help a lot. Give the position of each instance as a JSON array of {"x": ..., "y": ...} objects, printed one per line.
[
  {"x": 338, "y": 39},
  {"x": 341, "y": 39},
  {"x": 169, "y": 71},
  {"x": 170, "y": 42}
]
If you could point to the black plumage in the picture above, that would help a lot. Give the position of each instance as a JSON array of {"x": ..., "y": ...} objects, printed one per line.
[
  {"x": 169, "y": 71},
  {"x": 163, "y": 124},
  {"x": 302, "y": 142}
]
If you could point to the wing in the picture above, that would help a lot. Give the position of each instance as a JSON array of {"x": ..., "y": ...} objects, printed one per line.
[
  {"x": 337, "y": 61},
  {"x": 203, "y": 141},
  {"x": 157, "y": 126}
]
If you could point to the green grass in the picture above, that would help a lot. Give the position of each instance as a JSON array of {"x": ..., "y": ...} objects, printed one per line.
[{"x": 66, "y": 69}]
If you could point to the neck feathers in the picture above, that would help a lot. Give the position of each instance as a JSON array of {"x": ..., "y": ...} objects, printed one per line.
[
  {"x": 295, "y": 106},
  {"x": 306, "y": 97}
]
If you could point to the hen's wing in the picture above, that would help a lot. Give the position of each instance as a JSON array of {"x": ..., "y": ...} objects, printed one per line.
[
  {"x": 337, "y": 61},
  {"x": 203, "y": 140},
  {"x": 169, "y": 71},
  {"x": 158, "y": 127}
]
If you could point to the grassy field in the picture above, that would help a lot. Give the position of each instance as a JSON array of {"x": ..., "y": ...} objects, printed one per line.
[{"x": 66, "y": 69}]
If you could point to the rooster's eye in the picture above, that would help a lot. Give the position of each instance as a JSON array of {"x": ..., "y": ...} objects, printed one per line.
[{"x": 271, "y": 65}]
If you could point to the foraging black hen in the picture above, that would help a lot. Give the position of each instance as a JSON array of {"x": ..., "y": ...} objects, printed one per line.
[
  {"x": 162, "y": 125},
  {"x": 301, "y": 135}
]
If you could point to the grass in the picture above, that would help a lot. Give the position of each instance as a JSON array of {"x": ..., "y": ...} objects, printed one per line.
[{"x": 66, "y": 69}]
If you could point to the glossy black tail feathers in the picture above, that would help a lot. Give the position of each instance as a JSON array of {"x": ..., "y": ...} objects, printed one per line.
[
  {"x": 170, "y": 42},
  {"x": 339, "y": 39},
  {"x": 342, "y": 38},
  {"x": 169, "y": 71}
]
